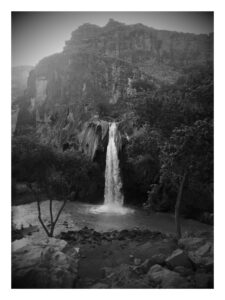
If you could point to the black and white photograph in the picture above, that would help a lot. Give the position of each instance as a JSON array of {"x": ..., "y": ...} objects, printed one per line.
[{"x": 112, "y": 150}]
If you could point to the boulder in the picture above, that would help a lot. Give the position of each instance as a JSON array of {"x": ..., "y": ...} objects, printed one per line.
[
  {"x": 45, "y": 264},
  {"x": 204, "y": 250},
  {"x": 204, "y": 281},
  {"x": 145, "y": 265},
  {"x": 183, "y": 271},
  {"x": 199, "y": 261},
  {"x": 142, "y": 268},
  {"x": 17, "y": 244},
  {"x": 208, "y": 263},
  {"x": 191, "y": 243},
  {"x": 178, "y": 258},
  {"x": 137, "y": 261},
  {"x": 165, "y": 278},
  {"x": 158, "y": 259},
  {"x": 203, "y": 256},
  {"x": 124, "y": 276},
  {"x": 106, "y": 271}
]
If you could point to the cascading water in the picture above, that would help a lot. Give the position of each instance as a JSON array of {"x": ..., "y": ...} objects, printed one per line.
[
  {"x": 113, "y": 196},
  {"x": 113, "y": 185}
]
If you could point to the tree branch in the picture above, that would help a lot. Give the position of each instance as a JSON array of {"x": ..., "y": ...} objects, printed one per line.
[
  {"x": 39, "y": 217},
  {"x": 177, "y": 206},
  {"x": 59, "y": 212},
  {"x": 50, "y": 208}
]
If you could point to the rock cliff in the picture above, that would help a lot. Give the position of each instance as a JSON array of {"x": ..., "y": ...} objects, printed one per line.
[
  {"x": 19, "y": 80},
  {"x": 96, "y": 73},
  {"x": 19, "y": 76}
]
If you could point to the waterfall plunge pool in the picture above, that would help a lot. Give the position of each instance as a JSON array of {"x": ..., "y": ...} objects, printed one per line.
[
  {"x": 113, "y": 209},
  {"x": 112, "y": 215},
  {"x": 77, "y": 215}
]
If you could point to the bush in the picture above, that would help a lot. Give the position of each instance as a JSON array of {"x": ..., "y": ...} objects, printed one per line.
[
  {"x": 141, "y": 166},
  {"x": 55, "y": 173},
  {"x": 84, "y": 177},
  {"x": 189, "y": 150}
]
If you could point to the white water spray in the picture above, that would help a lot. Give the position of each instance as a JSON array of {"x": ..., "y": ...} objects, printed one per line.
[{"x": 113, "y": 198}]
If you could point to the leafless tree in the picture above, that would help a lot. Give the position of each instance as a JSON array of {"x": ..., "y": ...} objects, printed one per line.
[
  {"x": 54, "y": 184},
  {"x": 178, "y": 205}
]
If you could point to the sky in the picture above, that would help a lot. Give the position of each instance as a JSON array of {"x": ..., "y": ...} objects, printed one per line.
[{"x": 36, "y": 35}]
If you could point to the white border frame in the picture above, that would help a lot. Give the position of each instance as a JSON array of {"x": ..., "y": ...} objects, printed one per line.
[{"x": 5, "y": 73}]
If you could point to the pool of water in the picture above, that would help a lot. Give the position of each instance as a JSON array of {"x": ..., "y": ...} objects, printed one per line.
[{"x": 77, "y": 215}]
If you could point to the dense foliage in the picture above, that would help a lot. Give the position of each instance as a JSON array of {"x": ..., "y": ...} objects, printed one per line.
[
  {"x": 141, "y": 163},
  {"x": 188, "y": 151},
  {"x": 174, "y": 136},
  {"x": 57, "y": 174}
]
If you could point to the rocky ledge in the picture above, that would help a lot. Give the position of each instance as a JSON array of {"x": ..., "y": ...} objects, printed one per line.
[
  {"x": 118, "y": 259},
  {"x": 142, "y": 259},
  {"x": 44, "y": 264}
]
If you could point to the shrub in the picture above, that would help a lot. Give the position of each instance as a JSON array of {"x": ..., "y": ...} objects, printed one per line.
[{"x": 54, "y": 171}]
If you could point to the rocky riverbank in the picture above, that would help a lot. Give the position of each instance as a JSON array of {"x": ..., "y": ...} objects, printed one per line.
[
  {"x": 117, "y": 259},
  {"x": 48, "y": 263}
]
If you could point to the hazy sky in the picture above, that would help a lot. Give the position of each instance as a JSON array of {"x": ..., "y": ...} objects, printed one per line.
[{"x": 39, "y": 34}]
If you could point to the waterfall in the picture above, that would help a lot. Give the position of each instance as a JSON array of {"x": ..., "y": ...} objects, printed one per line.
[{"x": 113, "y": 197}]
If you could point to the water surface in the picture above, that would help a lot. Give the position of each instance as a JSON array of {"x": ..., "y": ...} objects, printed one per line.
[{"x": 77, "y": 215}]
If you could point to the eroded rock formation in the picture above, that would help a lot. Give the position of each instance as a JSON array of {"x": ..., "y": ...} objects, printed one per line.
[
  {"x": 99, "y": 69},
  {"x": 93, "y": 136}
]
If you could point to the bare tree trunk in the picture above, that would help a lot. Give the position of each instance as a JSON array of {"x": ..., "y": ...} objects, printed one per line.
[
  {"x": 40, "y": 219},
  {"x": 51, "y": 216},
  {"x": 53, "y": 223},
  {"x": 177, "y": 206},
  {"x": 39, "y": 209}
]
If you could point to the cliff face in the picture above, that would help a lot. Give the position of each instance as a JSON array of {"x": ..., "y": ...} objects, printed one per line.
[
  {"x": 19, "y": 76},
  {"x": 100, "y": 68},
  {"x": 159, "y": 53},
  {"x": 19, "y": 80}
]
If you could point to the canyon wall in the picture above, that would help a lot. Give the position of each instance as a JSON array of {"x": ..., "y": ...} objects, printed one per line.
[{"x": 99, "y": 69}]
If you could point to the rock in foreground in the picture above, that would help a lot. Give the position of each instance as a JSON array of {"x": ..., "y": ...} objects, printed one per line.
[
  {"x": 49, "y": 264},
  {"x": 178, "y": 258},
  {"x": 165, "y": 278}
]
